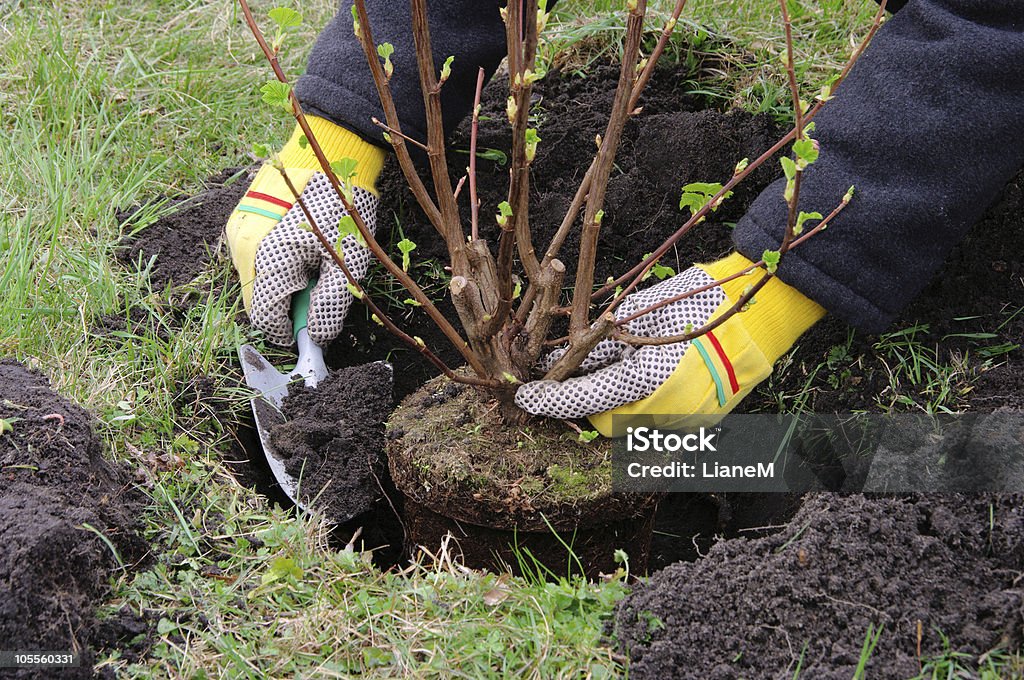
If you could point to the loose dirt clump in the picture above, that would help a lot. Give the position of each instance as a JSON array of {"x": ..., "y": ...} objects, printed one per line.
[
  {"x": 57, "y": 496},
  {"x": 333, "y": 438},
  {"x": 750, "y": 606}
]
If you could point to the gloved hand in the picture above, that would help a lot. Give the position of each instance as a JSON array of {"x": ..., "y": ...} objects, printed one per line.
[
  {"x": 697, "y": 381},
  {"x": 275, "y": 257}
]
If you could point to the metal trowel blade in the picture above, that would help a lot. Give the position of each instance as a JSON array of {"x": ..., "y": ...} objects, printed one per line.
[{"x": 271, "y": 387}]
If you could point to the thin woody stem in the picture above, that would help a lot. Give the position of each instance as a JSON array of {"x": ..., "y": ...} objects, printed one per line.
[
  {"x": 652, "y": 60},
  {"x": 581, "y": 193},
  {"x": 747, "y": 296},
  {"x": 407, "y": 282},
  {"x": 430, "y": 86},
  {"x": 365, "y": 298},
  {"x": 798, "y": 129},
  {"x": 579, "y": 321},
  {"x": 522, "y": 49},
  {"x": 391, "y": 131},
  {"x": 474, "y": 201}
]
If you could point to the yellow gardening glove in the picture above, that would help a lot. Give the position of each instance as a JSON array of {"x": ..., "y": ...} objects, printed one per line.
[
  {"x": 275, "y": 257},
  {"x": 691, "y": 383}
]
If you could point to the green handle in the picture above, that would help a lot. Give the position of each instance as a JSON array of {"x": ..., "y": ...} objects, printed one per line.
[{"x": 300, "y": 307}]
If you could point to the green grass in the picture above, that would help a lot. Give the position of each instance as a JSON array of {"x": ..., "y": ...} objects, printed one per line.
[{"x": 109, "y": 105}]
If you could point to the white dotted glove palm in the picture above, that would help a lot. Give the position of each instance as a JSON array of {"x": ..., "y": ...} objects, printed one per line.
[
  {"x": 617, "y": 373},
  {"x": 290, "y": 255}
]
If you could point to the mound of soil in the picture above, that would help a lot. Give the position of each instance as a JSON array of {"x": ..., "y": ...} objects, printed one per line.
[
  {"x": 752, "y": 608},
  {"x": 183, "y": 241},
  {"x": 333, "y": 441},
  {"x": 57, "y": 495}
]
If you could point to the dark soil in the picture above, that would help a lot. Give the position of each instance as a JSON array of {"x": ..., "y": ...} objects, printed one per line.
[
  {"x": 333, "y": 438},
  {"x": 749, "y": 607},
  {"x": 53, "y": 483},
  {"x": 183, "y": 241}
]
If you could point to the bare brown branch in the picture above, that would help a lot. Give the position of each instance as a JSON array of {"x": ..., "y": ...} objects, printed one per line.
[
  {"x": 474, "y": 200},
  {"x": 579, "y": 321}
]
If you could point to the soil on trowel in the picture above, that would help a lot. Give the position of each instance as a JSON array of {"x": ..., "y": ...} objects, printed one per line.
[
  {"x": 758, "y": 608},
  {"x": 332, "y": 440},
  {"x": 181, "y": 243},
  {"x": 58, "y": 496}
]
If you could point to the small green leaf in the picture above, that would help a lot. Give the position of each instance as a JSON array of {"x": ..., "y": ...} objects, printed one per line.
[
  {"x": 530, "y": 77},
  {"x": 276, "y": 94},
  {"x": 344, "y": 168},
  {"x": 532, "y": 140},
  {"x": 699, "y": 194},
  {"x": 280, "y": 568},
  {"x": 741, "y": 166},
  {"x": 7, "y": 425},
  {"x": 406, "y": 246},
  {"x": 798, "y": 228},
  {"x": 285, "y": 17},
  {"x": 260, "y": 150},
  {"x": 347, "y": 227},
  {"x": 446, "y": 69},
  {"x": 496, "y": 155},
  {"x": 419, "y": 341},
  {"x": 376, "y": 319},
  {"x": 504, "y": 212},
  {"x": 303, "y": 142},
  {"x": 509, "y": 378},
  {"x": 385, "y": 50},
  {"x": 788, "y": 167},
  {"x": 355, "y": 21},
  {"x": 806, "y": 152},
  {"x": 511, "y": 109},
  {"x": 659, "y": 270},
  {"x": 411, "y": 302},
  {"x": 354, "y": 290},
  {"x": 587, "y": 436},
  {"x": 771, "y": 260},
  {"x": 848, "y": 195},
  {"x": 517, "y": 290}
]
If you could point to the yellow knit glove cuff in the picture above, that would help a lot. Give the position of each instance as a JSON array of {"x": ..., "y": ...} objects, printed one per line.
[{"x": 779, "y": 313}]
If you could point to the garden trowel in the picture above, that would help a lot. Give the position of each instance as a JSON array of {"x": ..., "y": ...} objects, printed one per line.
[{"x": 271, "y": 388}]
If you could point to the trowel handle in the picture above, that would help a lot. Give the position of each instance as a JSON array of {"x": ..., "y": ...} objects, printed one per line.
[
  {"x": 310, "y": 364},
  {"x": 300, "y": 308}
]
